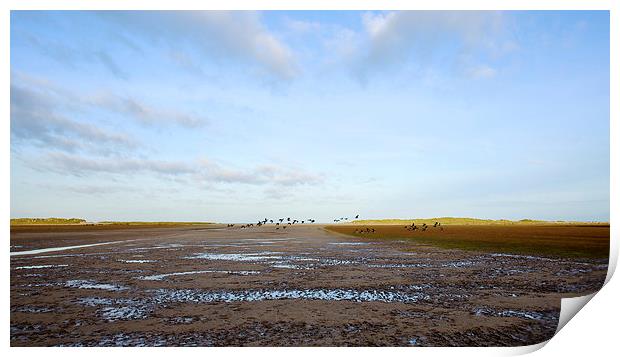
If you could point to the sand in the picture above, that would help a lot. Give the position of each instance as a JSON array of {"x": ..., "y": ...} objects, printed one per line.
[{"x": 217, "y": 286}]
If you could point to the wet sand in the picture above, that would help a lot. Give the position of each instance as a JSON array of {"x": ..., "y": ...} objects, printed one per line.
[{"x": 215, "y": 286}]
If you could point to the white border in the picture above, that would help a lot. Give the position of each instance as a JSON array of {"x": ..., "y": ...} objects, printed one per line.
[{"x": 592, "y": 331}]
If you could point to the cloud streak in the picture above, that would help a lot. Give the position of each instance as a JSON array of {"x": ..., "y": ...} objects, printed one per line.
[
  {"x": 145, "y": 113},
  {"x": 50, "y": 97},
  {"x": 35, "y": 120},
  {"x": 218, "y": 35},
  {"x": 199, "y": 172},
  {"x": 419, "y": 40},
  {"x": 392, "y": 35},
  {"x": 70, "y": 56}
]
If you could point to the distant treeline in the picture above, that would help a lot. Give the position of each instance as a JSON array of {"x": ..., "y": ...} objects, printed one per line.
[
  {"x": 16, "y": 221},
  {"x": 455, "y": 220}
]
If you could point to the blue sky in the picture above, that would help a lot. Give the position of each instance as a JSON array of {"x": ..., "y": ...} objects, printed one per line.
[{"x": 232, "y": 116}]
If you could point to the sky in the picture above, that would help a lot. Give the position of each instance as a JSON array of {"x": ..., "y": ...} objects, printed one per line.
[{"x": 238, "y": 116}]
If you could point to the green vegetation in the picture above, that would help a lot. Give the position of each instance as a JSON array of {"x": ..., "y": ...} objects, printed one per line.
[
  {"x": 455, "y": 220},
  {"x": 555, "y": 240},
  {"x": 20, "y": 221}
]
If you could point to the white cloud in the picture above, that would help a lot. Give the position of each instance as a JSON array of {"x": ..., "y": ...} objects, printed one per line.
[
  {"x": 199, "y": 172},
  {"x": 418, "y": 40},
  {"x": 35, "y": 119},
  {"x": 408, "y": 28},
  {"x": 143, "y": 112},
  {"x": 302, "y": 27},
  {"x": 218, "y": 35},
  {"x": 482, "y": 71},
  {"x": 54, "y": 97}
]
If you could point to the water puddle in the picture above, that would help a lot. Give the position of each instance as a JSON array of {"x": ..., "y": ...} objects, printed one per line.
[
  {"x": 197, "y": 296},
  {"x": 119, "y": 309},
  {"x": 89, "y": 284},
  {"x": 398, "y": 265},
  {"x": 459, "y": 264},
  {"x": 160, "y": 277},
  {"x": 532, "y": 315},
  {"x": 349, "y": 243},
  {"x": 239, "y": 257},
  {"x": 113, "y": 313},
  {"x": 94, "y": 301},
  {"x": 530, "y": 257},
  {"x": 139, "y": 261},
  {"x": 33, "y": 309},
  {"x": 291, "y": 266},
  {"x": 41, "y": 266},
  {"x": 56, "y": 249},
  {"x": 64, "y": 256}
]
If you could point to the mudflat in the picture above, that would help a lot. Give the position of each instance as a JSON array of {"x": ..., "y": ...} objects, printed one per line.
[{"x": 303, "y": 286}]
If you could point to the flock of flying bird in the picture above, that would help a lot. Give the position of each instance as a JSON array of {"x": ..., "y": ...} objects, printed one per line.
[{"x": 283, "y": 222}]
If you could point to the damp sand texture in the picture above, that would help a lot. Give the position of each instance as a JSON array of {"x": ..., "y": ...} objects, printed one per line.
[{"x": 306, "y": 286}]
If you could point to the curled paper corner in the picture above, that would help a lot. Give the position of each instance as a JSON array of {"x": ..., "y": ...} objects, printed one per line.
[
  {"x": 523, "y": 350},
  {"x": 570, "y": 307}
]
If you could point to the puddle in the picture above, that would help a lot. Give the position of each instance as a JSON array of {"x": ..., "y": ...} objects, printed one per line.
[
  {"x": 239, "y": 257},
  {"x": 89, "y": 284},
  {"x": 38, "y": 285},
  {"x": 94, "y": 301},
  {"x": 32, "y": 309},
  {"x": 460, "y": 264},
  {"x": 349, "y": 243},
  {"x": 125, "y": 309},
  {"x": 210, "y": 244},
  {"x": 197, "y": 296},
  {"x": 41, "y": 266},
  {"x": 123, "y": 340},
  {"x": 532, "y": 315},
  {"x": 269, "y": 240},
  {"x": 163, "y": 276},
  {"x": 180, "y": 320},
  {"x": 139, "y": 261},
  {"x": 292, "y": 266},
  {"x": 170, "y": 245},
  {"x": 56, "y": 249},
  {"x": 113, "y": 313},
  {"x": 531, "y": 257},
  {"x": 63, "y": 255},
  {"x": 398, "y": 265},
  {"x": 333, "y": 262}
]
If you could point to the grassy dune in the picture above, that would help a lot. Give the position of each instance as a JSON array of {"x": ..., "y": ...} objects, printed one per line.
[
  {"x": 459, "y": 221},
  {"x": 18, "y": 221},
  {"x": 32, "y": 225},
  {"x": 567, "y": 240}
]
